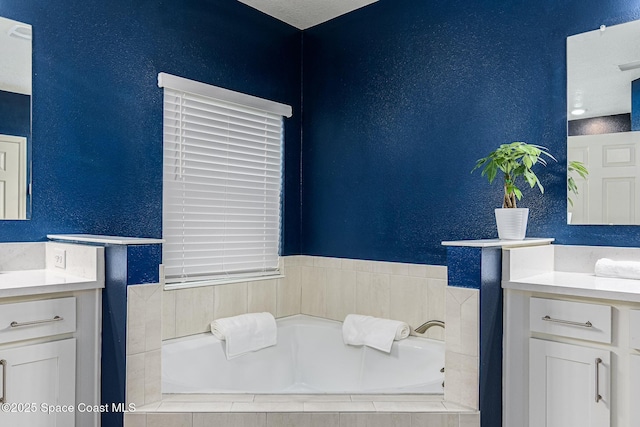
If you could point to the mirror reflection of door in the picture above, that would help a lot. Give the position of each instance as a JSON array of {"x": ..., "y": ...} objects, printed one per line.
[
  {"x": 13, "y": 177},
  {"x": 603, "y": 111},
  {"x": 608, "y": 195},
  {"x": 15, "y": 118}
]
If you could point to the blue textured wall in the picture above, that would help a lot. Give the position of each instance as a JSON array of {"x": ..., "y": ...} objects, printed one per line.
[
  {"x": 401, "y": 98},
  {"x": 97, "y": 109}
]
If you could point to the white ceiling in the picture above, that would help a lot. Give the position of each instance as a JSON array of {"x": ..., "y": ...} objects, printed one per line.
[
  {"x": 303, "y": 14},
  {"x": 15, "y": 60},
  {"x": 593, "y": 77}
]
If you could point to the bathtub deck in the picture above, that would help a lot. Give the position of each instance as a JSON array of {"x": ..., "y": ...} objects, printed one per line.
[{"x": 275, "y": 410}]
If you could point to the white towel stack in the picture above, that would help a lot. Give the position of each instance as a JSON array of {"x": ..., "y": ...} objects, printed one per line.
[
  {"x": 373, "y": 332},
  {"x": 245, "y": 333},
  {"x": 622, "y": 269}
]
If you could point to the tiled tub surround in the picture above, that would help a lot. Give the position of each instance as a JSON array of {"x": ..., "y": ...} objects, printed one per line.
[
  {"x": 303, "y": 411},
  {"x": 317, "y": 286}
]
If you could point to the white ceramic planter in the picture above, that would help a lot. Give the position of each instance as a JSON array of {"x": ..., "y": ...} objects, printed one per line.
[{"x": 512, "y": 223}]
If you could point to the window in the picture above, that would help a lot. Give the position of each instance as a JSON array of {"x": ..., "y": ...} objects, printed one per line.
[{"x": 222, "y": 183}]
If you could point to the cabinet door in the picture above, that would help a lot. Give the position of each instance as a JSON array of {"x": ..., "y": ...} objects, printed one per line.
[
  {"x": 564, "y": 384},
  {"x": 634, "y": 392},
  {"x": 36, "y": 375}
]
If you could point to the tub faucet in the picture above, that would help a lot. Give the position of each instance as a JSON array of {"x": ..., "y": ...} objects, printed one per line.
[{"x": 428, "y": 325}]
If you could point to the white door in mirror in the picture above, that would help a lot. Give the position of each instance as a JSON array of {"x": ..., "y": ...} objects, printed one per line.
[{"x": 13, "y": 177}]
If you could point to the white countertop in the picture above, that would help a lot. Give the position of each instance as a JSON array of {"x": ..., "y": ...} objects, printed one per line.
[
  {"x": 35, "y": 282},
  {"x": 488, "y": 243},
  {"x": 579, "y": 284}
]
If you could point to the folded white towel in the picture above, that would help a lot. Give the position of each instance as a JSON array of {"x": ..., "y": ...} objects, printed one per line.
[
  {"x": 245, "y": 333},
  {"x": 622, "y": 269},
  {"x": 373, "y": 332}
]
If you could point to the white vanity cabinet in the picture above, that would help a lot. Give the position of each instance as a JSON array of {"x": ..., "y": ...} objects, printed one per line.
[
  {"x": 50, "y": 334},
  {"x": 571, "y": 339},
  {"x": 38, "y": 383},
  {"x": 568, "y": 385}
]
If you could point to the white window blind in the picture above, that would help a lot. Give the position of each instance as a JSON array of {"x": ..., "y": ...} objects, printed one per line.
[{"x": 222, "y": 185}]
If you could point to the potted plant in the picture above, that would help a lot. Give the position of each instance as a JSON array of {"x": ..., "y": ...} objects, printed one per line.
[
  {"x": 574, "y": 166},
  {"x": 513, "y": 160}
]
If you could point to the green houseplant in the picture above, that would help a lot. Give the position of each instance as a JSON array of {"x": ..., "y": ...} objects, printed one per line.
[
  {"x": 574, "y": 167},
  {"x": 579, "y": 168},
  {"x": 513, "y": 161}
]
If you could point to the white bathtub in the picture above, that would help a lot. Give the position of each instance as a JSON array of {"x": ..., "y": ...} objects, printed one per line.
[{"x": 310, "y": 357}]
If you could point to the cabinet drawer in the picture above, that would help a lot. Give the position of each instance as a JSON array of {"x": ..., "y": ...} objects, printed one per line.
[
  {"x": 634, "y": 329},
  {"x": 571, "y": 319},
  {"x": 35, "y": 319}
]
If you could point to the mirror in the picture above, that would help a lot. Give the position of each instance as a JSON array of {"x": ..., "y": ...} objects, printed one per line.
[
  {"x": 603, "y": 129},
  {"x": 15, "y": 119}
]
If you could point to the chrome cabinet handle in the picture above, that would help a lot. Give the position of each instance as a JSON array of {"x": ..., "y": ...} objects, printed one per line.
[
  {"x": 3, "y": 363},
  {"x": 586, "y": 324},
  {"x": 598, "y": 396},
  {"x": 15, "y": 324}
]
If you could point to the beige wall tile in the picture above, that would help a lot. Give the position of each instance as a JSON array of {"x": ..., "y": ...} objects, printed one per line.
[
  {"x": 229, "y": 420},
  {"x": 433, "y": 305},
  {"x": 470, "y": 321},
  {"x": 194, "y": 310},
  {"x": 292, "y": 261},
  {"x": 153, "y": 320},
  {"x": 363, "y": 265},
  {"x": 288, "y": 420},
  {"x": 306, "y": 261},
  {"x": 405, "y": 302},
  {"x": 372, "y": 294},
  {"x": 301, "y": 420},
  {"x": 461, "y": 317},
  {"x": 461, "y": 379},
  {"x": 194, "y": 407},
  {"x": 288, "y": 293},
  {"x": 339, "y": 407},
  {"x": 341, "y": 293},
  {"x": 168, "y": 314},
  {"x": 152, "y": 377},
  {"x": 375, "y": 420},
  {"x": 313, "y": 291},
  {"x": 437, "y": 272},
  {"x": 135, "y": 420},
  {"x": 348, "y": 264},
  {"x": 135, "y": 322},
  {"x": 394, "y": 268},
  {"x": 143, "y": 318},
  {"x": 469, "y": 420},
  {"x": 267, "y": 407},
  {"x": 397, "y": 406},
  {"x": 135, "y": 379},
  {"x": 327, "y": 262},
  {"x": 434, "y": 420},
  {"x": 169, "y": 420},
  {"x": 262, "y": 296},
  {"x": 417, "y": 270},
  {"x": 230, "y": 300}
]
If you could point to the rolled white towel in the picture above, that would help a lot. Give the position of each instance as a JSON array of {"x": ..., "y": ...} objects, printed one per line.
[
  {"x": 622, "y": 269},
  {"x": 373, "y": 332},
  {"x": 245, "y": 333}
]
